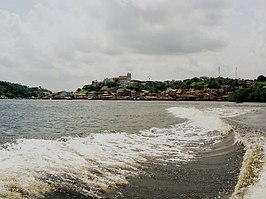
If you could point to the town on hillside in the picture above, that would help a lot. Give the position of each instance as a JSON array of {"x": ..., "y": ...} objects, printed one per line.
[{"x": 200, "y": 89}]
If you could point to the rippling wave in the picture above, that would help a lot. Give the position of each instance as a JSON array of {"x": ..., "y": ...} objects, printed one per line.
[{"x": 97, "y": 164}]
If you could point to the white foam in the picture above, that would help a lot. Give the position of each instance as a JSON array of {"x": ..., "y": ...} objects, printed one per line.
[
  {"x": 252, "y": 140},
  {"x": 99, "y": 161},
  {"x": 258, "y": 190},
  {"x": 226, "y": 112},
  {"x": 202, "y": 119}
]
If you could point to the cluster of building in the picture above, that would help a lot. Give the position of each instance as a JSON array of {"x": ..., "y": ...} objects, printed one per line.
[
  {"x": 124, "y": 93},
  {"x": 120, "y": 79},
  {"x": 170, "y": 94},
  {"x": 3, "y": 97},
  {"x": 128, "y": 94}
]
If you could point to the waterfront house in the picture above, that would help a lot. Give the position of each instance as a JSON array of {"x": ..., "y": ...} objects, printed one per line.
[{"x": 81, "y": 95}]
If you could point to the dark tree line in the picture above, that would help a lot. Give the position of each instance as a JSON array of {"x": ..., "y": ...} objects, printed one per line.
[
  {"x": 248, "y": 95},
  {"x": 256, "y": 93},
  {"x": 14, "y": 90}
]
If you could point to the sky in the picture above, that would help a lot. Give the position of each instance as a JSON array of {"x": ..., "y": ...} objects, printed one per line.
[{"x": 65, "y": 44}]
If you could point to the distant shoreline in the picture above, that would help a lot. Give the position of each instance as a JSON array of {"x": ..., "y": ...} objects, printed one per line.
[
  {"x": 125, "y": 88},
  {"x": 140, "y": 100}
]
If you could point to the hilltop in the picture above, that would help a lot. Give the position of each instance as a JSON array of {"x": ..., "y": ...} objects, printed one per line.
[
  {"x": 10, "y": 90},
  {"x": 196, "y": 88}
]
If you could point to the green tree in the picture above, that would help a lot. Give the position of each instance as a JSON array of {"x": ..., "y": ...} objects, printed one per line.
[
  {"x": 185, "y": 84},
  {"x": 13, "y": 90},
  {"x": 214, "y": 83},
  {"x": 261, "y": 78},
  {"x": 112, "y": 84},
  {"x": 198, "y": 85},
  {"x": 248, "y": 95}
]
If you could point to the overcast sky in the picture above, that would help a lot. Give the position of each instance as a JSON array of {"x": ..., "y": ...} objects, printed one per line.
[{"x": 64, "y": 44}]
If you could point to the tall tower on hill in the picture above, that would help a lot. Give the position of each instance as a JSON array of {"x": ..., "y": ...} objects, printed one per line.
[{"x": 129, "y": 76}]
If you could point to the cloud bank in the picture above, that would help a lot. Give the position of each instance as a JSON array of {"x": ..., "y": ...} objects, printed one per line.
[{"x": 65, "y": 44}]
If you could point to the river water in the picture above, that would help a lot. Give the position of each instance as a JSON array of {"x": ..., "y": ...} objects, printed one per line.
[{"x": 131, "y": 149}]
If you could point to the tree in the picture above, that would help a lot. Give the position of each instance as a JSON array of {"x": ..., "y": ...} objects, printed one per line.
[
  {"x": 186, "y": 84},
  {"x": 248, "y": 95},
  {"x": 112, "y": 84},
  {"x": 213, "y": 84},
  {"x": 87, "y": 87},
  {"x": 261, "y": 78},
  {"x": 13, "y": 90},
  {"x": 198, "y": 85}
]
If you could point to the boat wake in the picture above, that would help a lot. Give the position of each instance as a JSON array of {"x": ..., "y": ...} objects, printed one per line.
[
  {"x": 252, "y": 178},
  {"x": 99, "y": 163}
]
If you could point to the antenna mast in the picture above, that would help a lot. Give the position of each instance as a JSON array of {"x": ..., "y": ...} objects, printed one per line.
[{"x": 236, "y": 73}]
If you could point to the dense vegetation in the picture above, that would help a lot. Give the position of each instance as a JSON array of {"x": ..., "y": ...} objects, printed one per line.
[
  {"x": 248, "y": 95},
  {"x": 239, "y": 90},
  {"x": 13, "y": 90},
  {"x": 157, "y": 86},
  {"x": 255, "y": 93}
]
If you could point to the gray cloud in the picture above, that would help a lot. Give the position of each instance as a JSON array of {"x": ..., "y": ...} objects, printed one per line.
[
  {"x": 164, "y": 28},
  {"x": 49, "y": 41}
]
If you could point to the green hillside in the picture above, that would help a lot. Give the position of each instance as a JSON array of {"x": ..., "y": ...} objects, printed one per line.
[{"x": 14, "y": 90}]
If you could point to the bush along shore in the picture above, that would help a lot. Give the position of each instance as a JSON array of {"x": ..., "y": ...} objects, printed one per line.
[{"x": 124, "y": 88}]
